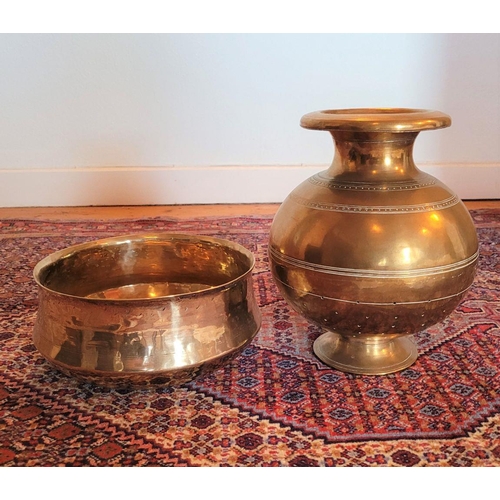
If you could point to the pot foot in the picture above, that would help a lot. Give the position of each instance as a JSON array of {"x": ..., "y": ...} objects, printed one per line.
[{"x": 366, "y": 355}]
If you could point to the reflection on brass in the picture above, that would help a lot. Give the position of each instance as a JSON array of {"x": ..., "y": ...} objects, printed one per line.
[
  {"x": 373, "y": 249},
  {"x": 145, "y": 310}
]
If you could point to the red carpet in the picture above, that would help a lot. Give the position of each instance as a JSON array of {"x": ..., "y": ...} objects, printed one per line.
[{"x": 274, "y": 405}]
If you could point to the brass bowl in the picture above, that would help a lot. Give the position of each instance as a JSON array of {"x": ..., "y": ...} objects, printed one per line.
[{"x": 145, "y": 310}]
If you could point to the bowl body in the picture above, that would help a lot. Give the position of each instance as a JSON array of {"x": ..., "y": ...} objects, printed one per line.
[{"x": 145, "y": 310}]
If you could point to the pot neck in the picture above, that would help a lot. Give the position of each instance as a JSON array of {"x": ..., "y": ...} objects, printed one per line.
[{"x": 373, "y": 156}]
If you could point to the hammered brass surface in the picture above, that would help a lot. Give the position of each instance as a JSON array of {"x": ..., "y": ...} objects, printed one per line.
[
  {"x": 373, "y": 249},
  {"x": 144, "y": 310}
]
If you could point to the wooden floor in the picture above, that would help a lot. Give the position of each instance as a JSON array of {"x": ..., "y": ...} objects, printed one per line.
[
  {"x": 172, "y": 211},
  {"x": 137, "y": 212}
]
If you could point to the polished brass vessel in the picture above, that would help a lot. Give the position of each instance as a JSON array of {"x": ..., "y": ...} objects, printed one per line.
[
  {"x": 145, "y": 310},
  {"x": 373, "y": 249}
]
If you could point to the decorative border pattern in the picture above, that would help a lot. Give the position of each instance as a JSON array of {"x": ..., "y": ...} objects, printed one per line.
[
  {"x": 393, "y": 209},
  {"x": 323, "y": 181},
  {"x": 373, "y": 273}
]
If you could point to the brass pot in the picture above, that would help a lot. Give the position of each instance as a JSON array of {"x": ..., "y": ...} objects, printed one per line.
[
  {"x": 373, "y": 249},
  {"x": 145, "y": 310}
]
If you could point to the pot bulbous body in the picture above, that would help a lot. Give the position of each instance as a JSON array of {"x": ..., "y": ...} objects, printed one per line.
[{"x": 372, "y": 249}]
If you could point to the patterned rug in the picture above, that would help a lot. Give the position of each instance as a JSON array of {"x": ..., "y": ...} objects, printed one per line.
[{"x": 275, "y": 404}]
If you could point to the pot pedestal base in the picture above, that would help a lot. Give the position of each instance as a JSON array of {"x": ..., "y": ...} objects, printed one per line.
[{"x": 365, "y": 355}]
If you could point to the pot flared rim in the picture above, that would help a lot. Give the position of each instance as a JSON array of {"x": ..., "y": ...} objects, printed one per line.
[{"x": 376, "y": 120}]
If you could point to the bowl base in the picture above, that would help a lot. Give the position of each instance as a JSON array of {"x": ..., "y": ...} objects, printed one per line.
[
  {"x": 366, "y": 355},
  {"x": 144, "y": 380}
]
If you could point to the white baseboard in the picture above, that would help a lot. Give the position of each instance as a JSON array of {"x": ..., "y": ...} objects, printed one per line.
[{"x": 200, "y": 185}]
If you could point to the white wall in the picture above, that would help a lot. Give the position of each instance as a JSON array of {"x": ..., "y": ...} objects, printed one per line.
[{"x": 132, "y": 119}]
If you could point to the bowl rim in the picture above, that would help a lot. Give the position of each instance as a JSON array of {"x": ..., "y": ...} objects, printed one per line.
[{"x": 138, "y": 237}]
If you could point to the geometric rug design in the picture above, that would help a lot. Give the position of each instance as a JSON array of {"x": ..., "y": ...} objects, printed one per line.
[{"x": 275, "y": 404}]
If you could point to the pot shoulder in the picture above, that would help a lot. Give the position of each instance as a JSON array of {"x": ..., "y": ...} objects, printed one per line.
[{"x": 414, "y": 223}]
